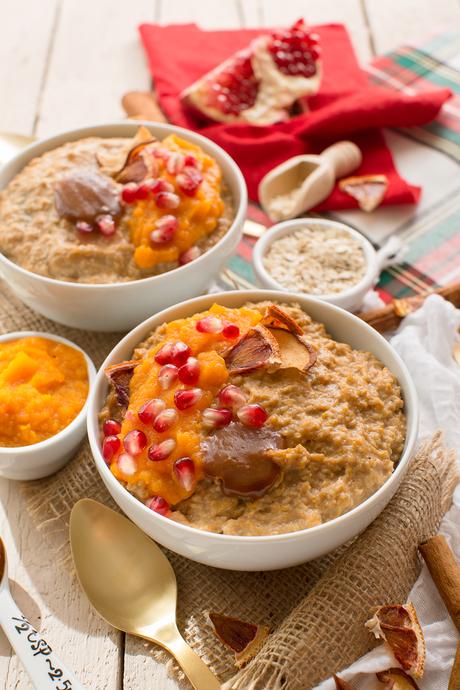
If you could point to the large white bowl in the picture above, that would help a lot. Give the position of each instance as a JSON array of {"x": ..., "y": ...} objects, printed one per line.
[
  {"x": 121, "y": 306},
  {"x": 46, "y": 457},
  {"x": 279, "y": 551}
]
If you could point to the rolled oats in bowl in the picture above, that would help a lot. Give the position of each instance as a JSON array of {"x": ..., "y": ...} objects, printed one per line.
[{"x": 317, "y": 260}]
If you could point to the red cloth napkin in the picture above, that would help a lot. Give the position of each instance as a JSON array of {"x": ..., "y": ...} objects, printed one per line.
[{"x": 346, "y": 106}]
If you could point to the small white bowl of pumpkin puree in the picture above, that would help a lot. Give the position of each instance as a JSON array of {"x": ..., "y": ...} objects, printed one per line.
[{"x": 44, "y": 386}]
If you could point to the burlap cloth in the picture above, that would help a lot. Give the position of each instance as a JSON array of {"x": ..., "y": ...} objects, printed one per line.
[{"x": 316, "y": 610}]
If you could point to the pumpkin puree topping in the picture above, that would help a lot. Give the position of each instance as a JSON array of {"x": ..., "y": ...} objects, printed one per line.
[{"x": 43, "y": 387}]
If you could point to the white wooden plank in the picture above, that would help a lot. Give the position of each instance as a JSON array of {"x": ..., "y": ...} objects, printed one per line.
[
  {"x": 348, "y": 12},
  {"x": 53, "y": 601},
  {"x": 251, "y": 12},
  {"x": 394, "y": 23},
  {"x": 97, "y": 56},
  {"x": 25, "y": 33},
  {"x": 210, "y": 14}
]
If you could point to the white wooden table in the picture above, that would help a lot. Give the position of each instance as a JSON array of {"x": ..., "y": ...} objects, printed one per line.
[{"x": 66, "y": 63}]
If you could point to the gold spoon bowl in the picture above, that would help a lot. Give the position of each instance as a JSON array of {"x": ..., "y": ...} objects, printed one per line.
[{"x": 131, "y": 583}]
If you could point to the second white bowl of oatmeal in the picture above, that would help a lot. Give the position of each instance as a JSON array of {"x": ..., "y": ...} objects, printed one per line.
[
  {"x": 121, "y": 306},
  {"x": 251, "y": 553},
  {"x": 351, "y": 298}
]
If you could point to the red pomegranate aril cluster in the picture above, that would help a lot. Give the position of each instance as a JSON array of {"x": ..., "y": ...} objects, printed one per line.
[
  {"x": 189, "y": 373},
  {"x": 183, "y": 399},
  {"x": 295, "y": 51},
  {"x": 111, "y": 427},
  {"x": 110, "y": 447},
  {"x": 134, "y": 442},
  {"x": 165, "y": 420},
  {"x": 167, "y": 376},
  {"x": 175, "y": 353},
  {"x": 161, "y": 451},
  {"x": 217, "y": 417},
  {"x": 162, "y": 191},
  {"x": 150, "y": 410},
  {"x": 235, "y": 90},
  {"x": 159, "y": 505},
  {"x": 189, "y": 255},
  {"x": 233, "y": 398},
  {"x": 165, "y": 229},
  {"x": 184, "y": 469}
]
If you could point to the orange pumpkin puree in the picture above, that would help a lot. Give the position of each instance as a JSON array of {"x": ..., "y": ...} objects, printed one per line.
[
  {"x": 43, "y": 387},
  {"x": 197, "y": 215},
  {"x": 158, "y": 477}
]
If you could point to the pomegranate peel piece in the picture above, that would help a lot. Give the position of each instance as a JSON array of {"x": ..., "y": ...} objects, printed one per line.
[
  {"x": 398, "y": 625},
  {"x": 342, "y": 684},
  {"x": 243, "y": 638},
  {"x": 119, "y": 376},
  {"x": 397, "y": 679},
  {"x": 256, "y": 349},
  {"x": 368, "y": 190}
]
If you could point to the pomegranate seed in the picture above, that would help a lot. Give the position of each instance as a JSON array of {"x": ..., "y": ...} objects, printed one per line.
[
  {"x": 135, "y": 442},
  {"x": 184, "y": 469},
  {"x": 209, "y": 324},
  {"x": 142, "y": 192},
  {"x": 126, "y": 464},
  {"x": 231, "y": 331},
  {"x": 130, "y": 416},
  {"x": 189, "y": 180},
  {"x": 189, "y": 372},
  {"x": 111, "y": 427},
  {"x": 167, "y": 376},
  {"x": 150, "y": 410},
  {"x": 161, "y": 451},
  {"x": 167, "y": 200},
  {"x": 159, "y": 505},
  {"x": 106, "y": 225},
  {"x": 191, "y": 161},
  {"x": 187, "y": 398},
  {"x": 216, "y": 418},
  {"x": 165, "y": 354},
  {"x": 252, "y": 415},
  {"x": 161, "y": 153},
  {"x": 231, "y": 396},
  {"x": 83, "y": 227},
  {"x": 173, "y": 353},
  {"x": 165, "y": 227},
  {"x": 189, "y": 255},
  {"x": 175, "y": 163},
  {"x": 165, "y": 420},
  {"x": 129, "y": 193},
  {"x": 110, "y": 446}
]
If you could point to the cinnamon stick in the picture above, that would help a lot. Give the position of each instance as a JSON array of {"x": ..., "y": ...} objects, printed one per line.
[
  {"x": 454, "y": 681},
  {"x": 143, "y": 105},
  {"x": 388, "y": 318}
]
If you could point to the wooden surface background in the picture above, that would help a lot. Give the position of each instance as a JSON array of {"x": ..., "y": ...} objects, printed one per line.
[{"x": 65, "y": 63}]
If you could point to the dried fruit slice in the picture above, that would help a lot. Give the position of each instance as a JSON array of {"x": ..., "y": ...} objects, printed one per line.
[
  {"x": 137, "y": 166},
  {"x": 119, "y": 376},
  {"x": 111, "y": 161},
  {"x": 396, "y": 679},
  {"x": 244, "y": 639},
  {"x": 342, "y": 684},
  {"x": 398, "y": 625},
  {"x": 260, "y": 83},
  {"x": 256, "y": 349},
  {"x": 368, "y": 190}
]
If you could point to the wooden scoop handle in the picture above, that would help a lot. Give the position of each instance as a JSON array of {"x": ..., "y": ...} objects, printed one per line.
[{"x": 344, "y": 157}]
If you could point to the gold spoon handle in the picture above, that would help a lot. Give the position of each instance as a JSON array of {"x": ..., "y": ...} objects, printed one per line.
[{"x": 194, "y": 668}]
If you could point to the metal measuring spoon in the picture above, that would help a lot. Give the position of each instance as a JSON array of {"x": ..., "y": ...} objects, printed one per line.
[{"x": 46, "y": 671}]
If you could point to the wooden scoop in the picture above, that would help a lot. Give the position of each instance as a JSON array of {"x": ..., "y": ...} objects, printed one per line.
[{"x": 302, "y": 182}]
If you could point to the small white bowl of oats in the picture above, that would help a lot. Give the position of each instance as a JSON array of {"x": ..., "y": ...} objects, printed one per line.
[{"x": 321, "y": 258}]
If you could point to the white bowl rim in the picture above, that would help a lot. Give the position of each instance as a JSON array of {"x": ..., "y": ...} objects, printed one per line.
[
  {"x": 88, "y": 130},
  {"x": 76, "y": 421},
  {"x": 287, "y": 227},
  {"x": 248, "y": 295}
]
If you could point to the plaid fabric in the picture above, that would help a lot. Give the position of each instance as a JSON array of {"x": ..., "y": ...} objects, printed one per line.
[{"x": 432, "y": 238}]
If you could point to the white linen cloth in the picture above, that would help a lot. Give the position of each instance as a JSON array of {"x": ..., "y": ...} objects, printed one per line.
[{"x": 425, "y": 341}]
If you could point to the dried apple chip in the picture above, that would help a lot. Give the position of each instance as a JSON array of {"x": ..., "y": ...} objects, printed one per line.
[
  {"x": 119, "y": 376},
  {"x": 398, "y": 625},
  {"x": 257, "y": 348},
  {"x": 368, "y": 190},
  {"x": 113, "y": 160},
  {"x": 244, "y": 639},
  {"x": 396, "y": 679},
  {"x": 342, "y": 684},
  {"x": 136, "y": 166}
]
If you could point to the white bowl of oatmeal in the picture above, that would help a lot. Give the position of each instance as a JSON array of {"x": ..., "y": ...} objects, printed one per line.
[
  {"x": 318, "y": 257},
  {"x": 102, "y": 226},
  {"x": 252, "y": 454}
]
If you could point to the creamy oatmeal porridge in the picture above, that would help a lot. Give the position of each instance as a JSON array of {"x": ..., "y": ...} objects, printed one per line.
[
  {"x": 109, "y": 210},
  {"x": 251, "y": 421}
]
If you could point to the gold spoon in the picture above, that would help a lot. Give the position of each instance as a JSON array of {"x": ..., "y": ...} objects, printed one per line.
[
  {"x": 11, "y": 143},
  {"x": 46, "y": 671},
  {"x": 131, "y": 583}
]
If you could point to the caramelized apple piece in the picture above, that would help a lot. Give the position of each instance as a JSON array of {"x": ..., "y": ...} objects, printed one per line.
[
  {"x": 244, "y": 639},
  {"x": 119, "y": 376},
  {"x": 85, "y": 194}
]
